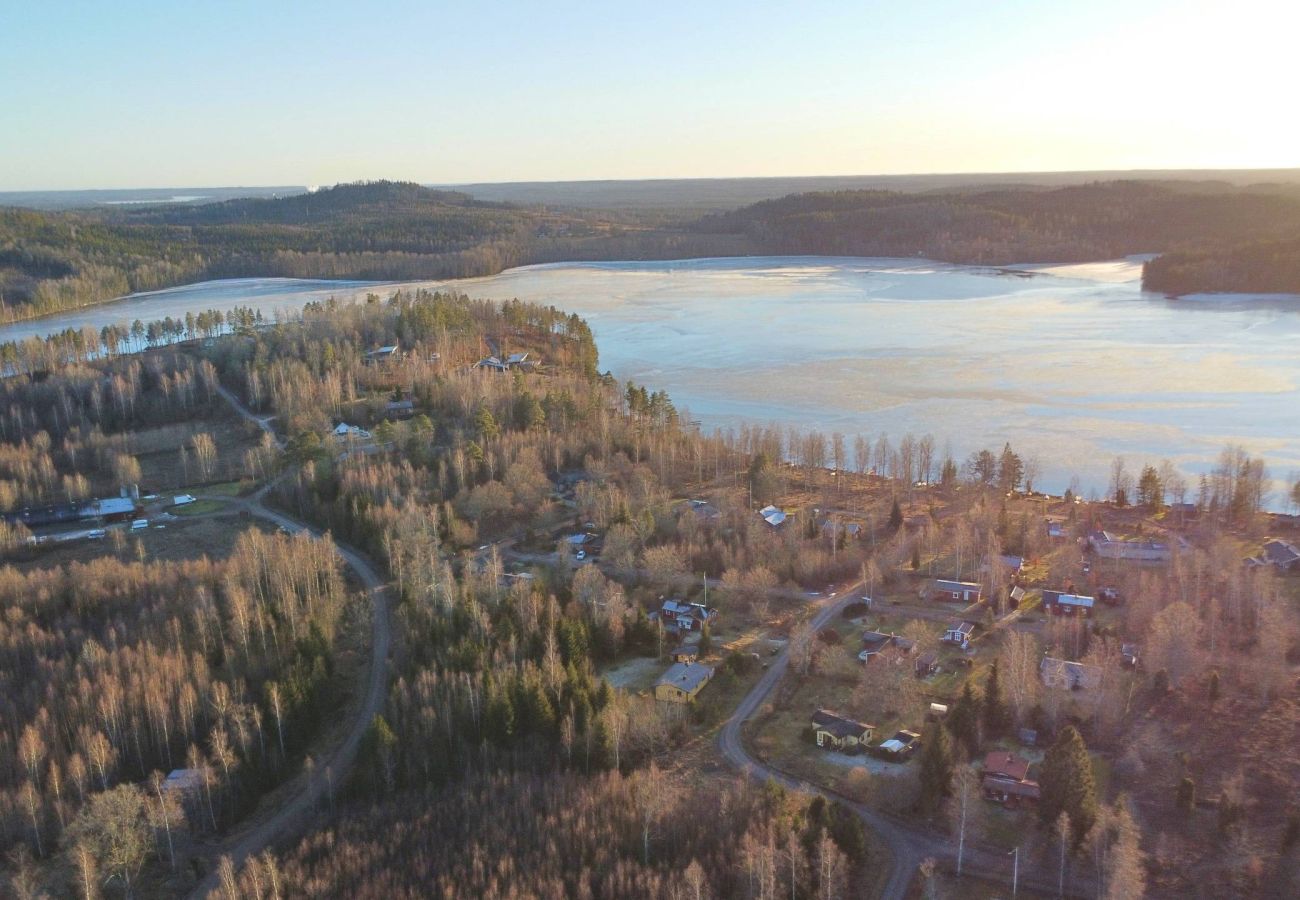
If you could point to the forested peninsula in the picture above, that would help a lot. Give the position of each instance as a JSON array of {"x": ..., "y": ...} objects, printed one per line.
[{"x": 1214, "y": 236}]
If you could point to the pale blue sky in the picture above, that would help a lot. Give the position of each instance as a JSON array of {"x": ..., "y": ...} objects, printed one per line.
[{"x": 134, "y": 94}]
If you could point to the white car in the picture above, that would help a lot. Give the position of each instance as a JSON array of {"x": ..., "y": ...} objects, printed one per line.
[{"x": 580, "y": 555}]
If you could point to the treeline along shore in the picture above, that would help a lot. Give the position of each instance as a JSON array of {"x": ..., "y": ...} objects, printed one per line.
[{"x": 1212, "y": 236}]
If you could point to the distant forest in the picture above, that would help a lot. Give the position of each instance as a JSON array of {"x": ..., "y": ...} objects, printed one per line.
[{"x": 1218, "y": 236}]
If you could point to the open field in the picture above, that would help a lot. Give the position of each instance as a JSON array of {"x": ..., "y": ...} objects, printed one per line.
[{"x": 176, "y": 539}]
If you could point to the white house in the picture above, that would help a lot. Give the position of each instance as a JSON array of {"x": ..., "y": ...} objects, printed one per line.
[{"x": 343, "y": 431}]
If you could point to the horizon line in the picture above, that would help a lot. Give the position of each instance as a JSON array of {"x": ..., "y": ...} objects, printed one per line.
[{"x": 680, "y": 178}]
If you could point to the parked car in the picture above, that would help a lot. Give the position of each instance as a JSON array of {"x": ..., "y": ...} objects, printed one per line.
[{"x": 580, "y": 555}]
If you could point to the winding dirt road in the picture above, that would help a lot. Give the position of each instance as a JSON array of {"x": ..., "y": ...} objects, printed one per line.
[
  {"x": 904, "y": 848},
  {"x": 908, "y": 846},
  {"x": 286, "y": 820}
]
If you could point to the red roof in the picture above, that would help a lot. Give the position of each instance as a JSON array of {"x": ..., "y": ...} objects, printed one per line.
[
  {"x": 1027, "y": 789},
  {"x": 1000, "y": 762}
]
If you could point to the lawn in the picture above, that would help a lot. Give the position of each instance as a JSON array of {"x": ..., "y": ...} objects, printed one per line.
[
  {"x": 226, "y": 488},
  {"x": 158, "y": 451},
  {"x": 177, "y": 539},
  {"x": 634, "y": 675},
  {"x": 198, "y": 508},
  {"x": 779, "y": 733}
]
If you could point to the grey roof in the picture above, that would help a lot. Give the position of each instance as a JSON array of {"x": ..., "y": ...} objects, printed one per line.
[
  {"x": 111, "y": 506},
  {"x": 875, "y": 641},
  {"x": 183, "y": 780},
  {"x": 686, "y": 676},
  {"x": 1280, "y": 553},
  {"x": 1064, "y": 599},
  {"x": 1069, "y": 674}
]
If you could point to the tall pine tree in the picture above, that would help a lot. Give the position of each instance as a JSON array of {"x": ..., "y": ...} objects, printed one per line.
[
  {"x": 994, "y": 705},
  {"x": 1067, "y": 785},
  {"x": 964, "y": 722},
  {"x": 936, "y": 768}
]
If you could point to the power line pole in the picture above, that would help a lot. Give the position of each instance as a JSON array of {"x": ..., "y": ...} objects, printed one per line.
[{"x": 1015, "y": 870}]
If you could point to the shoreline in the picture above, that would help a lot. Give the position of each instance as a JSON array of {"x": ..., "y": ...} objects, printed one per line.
[
  {"x": 1010, "y": 270},
  {"x": 1118, "y": 270}
]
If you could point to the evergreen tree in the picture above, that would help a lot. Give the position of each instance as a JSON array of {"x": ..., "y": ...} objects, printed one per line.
[
  {"x": 499, "y": 715},
  {"x": 994, "y": 705},
  {"x": 1150, "y": 489},
  {"x": 895, "y": 516},
  {"x": 602, "y": 745},
  {"x": 529, "y": 412},
  {"x": 539, "y": 713},
  {"x": 848, "y": 834},
  {"x": 1067, "y": 784},
  {"x": 486, "y": 424},
  {"x": 964, "y": 722},
  {"x": 948, "y": 474},
  {"x": 936, "y": 768},
  {"x": 706, "y": 639},
  {"x": 1011, "y": 469},
  {"x": 1186, "y": 796}
]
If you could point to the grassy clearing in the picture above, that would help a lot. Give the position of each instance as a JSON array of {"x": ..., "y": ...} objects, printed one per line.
[
  {"x": 227, "y": 488},
  {"x": 199, "y": 508},
  {"x": 634, "y": 675},
  {"x": 179, "y": 539},
  {"x": 158, "y": 451}
]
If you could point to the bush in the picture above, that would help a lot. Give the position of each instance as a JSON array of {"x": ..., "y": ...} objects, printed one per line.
[
  {"x": 739, "y": 663},
  {"x": 1160, "y": 684}
]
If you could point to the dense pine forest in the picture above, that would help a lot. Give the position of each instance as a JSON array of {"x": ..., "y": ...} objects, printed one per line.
[
  {"x": 1072, "y": 224},
  {"x": 1263, "y": 267},
  {"x": 1220, "y": 237}
]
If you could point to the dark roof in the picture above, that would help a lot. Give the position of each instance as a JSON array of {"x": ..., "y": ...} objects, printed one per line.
[
  {"x": 875, "y": 641},
  {"x": 1280, "y": 553},
  {"x": 837, "y": 725},
  {"x": 1064, "y": 598},
  {"x": 1028, "y": 789}
]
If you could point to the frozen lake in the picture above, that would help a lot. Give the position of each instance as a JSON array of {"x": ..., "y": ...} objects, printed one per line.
[{"x": 1073, "y": 364}]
